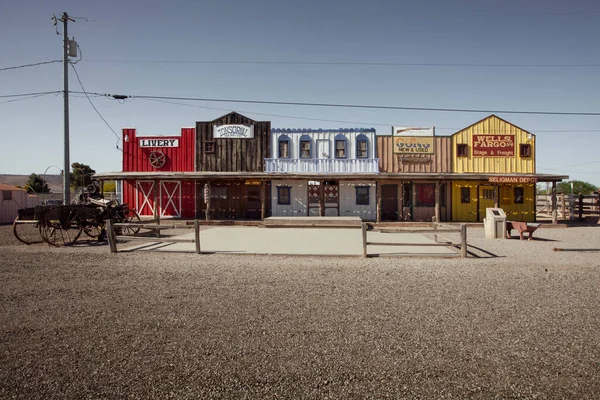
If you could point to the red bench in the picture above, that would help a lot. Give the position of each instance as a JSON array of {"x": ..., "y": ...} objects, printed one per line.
[{"x": 522, "y": 227}]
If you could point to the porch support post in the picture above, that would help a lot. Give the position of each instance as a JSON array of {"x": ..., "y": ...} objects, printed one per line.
[
  {"x": 554, "y": 220},
  {"x": 321, "y": 199},
  {"x": 156, "y": 203},
  {"x": 437, "y": 202},
  {"x": 263, "y": 209},
  {"x": 378, "y": 219},
  {"x": 496, "y": 196},
  {"x": 207, "y": 199}
]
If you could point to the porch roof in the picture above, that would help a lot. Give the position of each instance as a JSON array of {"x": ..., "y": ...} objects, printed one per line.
[{"x": 386, "y": 176}]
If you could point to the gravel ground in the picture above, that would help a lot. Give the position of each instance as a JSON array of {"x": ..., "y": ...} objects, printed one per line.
[{"x": 523, "y": 321}]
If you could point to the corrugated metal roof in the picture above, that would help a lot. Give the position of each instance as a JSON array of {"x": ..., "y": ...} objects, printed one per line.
[{"x": 4, "y": 186}]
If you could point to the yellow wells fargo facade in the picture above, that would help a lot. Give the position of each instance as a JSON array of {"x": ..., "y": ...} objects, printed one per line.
[{"x": 504, "y": 156}]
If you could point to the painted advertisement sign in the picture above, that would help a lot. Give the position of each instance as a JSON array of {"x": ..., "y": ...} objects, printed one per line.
[
  {"x": 413, "y": 145},
  {"x": 233, "y": 131},
  {"x": 493, "y": 145}
]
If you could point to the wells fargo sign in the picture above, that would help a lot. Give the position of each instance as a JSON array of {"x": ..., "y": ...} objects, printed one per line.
[
  {"x": 494, "y": 145},
  {"x": 413, "y": 145},
  {"x": 512, "y": 179}
]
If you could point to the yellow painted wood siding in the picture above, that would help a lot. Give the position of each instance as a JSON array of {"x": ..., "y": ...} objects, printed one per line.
[
  {"x": 464, "y": 212},
  {"x": 524, "y": 212},
  {"x": 467, "y": 212},
  {"x": 493, "y": 125}
]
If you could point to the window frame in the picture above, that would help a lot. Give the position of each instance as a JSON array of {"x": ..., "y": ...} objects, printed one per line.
[
  {"x": 464, "y": 198},
  {"x": 280, "y": 190},
  {"x": 305, "y": 139},
  {"x": 210, "y": 147},
  {"x": 519, "y": 198},
  {"x": 284, "y": 139},
  {"x": 525, "y": 150},
  {"x": 462, "y": 150},
  {"x": 361, "y": 200},
  {"x": 340, "y": 139},
  {"x": 362, "y": 139}
]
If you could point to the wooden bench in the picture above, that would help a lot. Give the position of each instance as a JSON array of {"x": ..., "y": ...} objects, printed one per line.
[{"x": 522, "y": 227}]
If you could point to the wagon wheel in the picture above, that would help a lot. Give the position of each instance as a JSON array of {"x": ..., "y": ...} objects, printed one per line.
[
  {"x": 157, "y": 159},
  {"x": 26, "y": 231},
  {"x": 93, "y": 231},
  {"x": 56, "y": 234},
  {"x": 131, "y": 216}
]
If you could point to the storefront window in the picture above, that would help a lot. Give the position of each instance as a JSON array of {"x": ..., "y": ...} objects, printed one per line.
[
  {"x": 219, "y": 192},
  {"x": 425, "y": 194}
]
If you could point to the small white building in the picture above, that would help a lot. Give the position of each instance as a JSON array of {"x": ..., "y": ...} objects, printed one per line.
[
  {"x": 323, "y": 173},
  {"x": 12, "y": 199}
]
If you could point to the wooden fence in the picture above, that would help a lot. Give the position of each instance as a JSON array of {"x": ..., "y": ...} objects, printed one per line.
[
  {"x": 583, "y": 206},
  {"x": 435, "y": 230},
  {"x": 112, "y": 237}
]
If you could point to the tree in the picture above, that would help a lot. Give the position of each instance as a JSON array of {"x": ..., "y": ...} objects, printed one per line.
[
  {"x": 110, "y": 186},
  {"x": 81, "y": 174},
  {"x": 35, "y": 184},
  {"x": 578, "y": 187}
]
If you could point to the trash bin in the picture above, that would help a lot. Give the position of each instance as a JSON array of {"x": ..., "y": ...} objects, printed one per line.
[{"x": 495, "y": 223}]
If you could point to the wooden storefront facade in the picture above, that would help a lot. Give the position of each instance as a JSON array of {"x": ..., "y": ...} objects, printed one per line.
[{"x": 235, "y": 168}]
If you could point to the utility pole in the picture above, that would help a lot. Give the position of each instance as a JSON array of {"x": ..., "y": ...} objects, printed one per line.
[{"x": 67, "y": 167}]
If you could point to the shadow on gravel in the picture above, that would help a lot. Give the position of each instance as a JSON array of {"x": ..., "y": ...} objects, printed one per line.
[
  {"x": 487, "y": 254},
  {"x": 534, "y": 239},
  {"x": 584, "y": 250}
]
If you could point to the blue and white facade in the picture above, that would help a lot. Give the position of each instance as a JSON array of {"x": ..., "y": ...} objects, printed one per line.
[{"x": 298, "y": 152}]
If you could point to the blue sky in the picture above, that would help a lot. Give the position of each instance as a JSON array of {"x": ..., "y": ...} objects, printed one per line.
[{"x": 120, "y": 34}]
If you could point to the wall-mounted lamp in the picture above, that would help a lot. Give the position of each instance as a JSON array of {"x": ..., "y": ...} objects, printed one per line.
[
  {"x": 529, "y": 136},
  {"x": 126, "y": 137}
]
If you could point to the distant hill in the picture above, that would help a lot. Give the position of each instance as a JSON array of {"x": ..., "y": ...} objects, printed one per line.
[{"x": 54, "y": 182}]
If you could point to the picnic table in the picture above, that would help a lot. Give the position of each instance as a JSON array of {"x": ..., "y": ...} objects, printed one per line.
[{"x": 522, "y": 227}]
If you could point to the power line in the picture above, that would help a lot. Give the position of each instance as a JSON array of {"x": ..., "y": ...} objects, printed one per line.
[
  {"x": 94, "y": 107},
  {"x": 350, "y": 63},
  {"x": 29, "y": 94},
  {"x": 272, "y": 115},
  {"x": 25, "y": 98},
  {"x": 29, "y": 65},
  {"x": 361, "y": 106}
]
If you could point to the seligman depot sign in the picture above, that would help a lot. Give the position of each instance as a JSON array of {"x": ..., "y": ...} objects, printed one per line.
[
  {"x": 512, "y": 179},
  {"x": 493, "y": 145},
  {"x": 233, "y": 131}
]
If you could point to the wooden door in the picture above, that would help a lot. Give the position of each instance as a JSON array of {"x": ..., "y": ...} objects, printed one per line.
[
  {"x": 219, "y": 201},
  {"x": 486, "y": 198},
  {"x": 331, "y": 198},
  {"x": 170, "y": 199},
  {"x": 389, "y": 203},
  {"x": 253, "y": 205},
  {"x": 144, "y": 199},
  {"x": 314, "y": 199}
]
